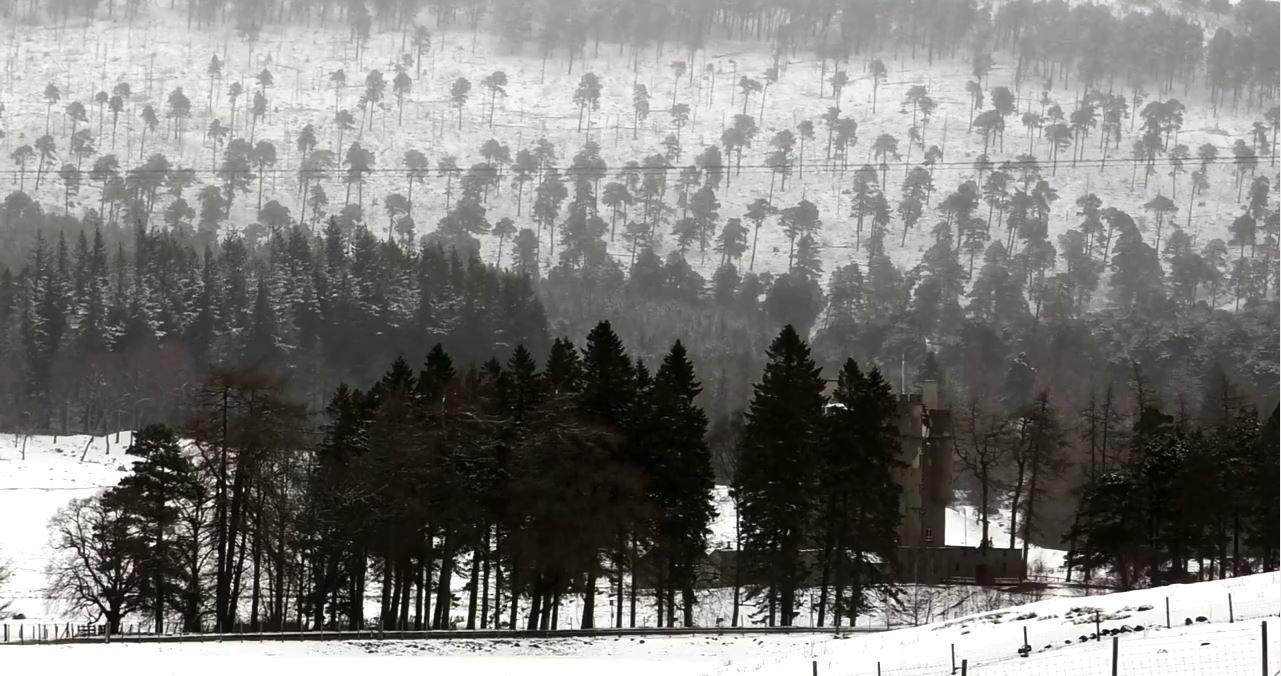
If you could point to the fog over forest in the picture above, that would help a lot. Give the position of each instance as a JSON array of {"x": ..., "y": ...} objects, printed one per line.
[{"x": 431, "y": 308}]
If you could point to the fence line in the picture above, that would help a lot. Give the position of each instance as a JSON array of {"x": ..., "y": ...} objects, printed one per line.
[{"x": 68, "y": 633}]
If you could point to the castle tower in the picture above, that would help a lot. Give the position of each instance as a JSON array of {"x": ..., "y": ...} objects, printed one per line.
[{"x": 925, "y": 451}]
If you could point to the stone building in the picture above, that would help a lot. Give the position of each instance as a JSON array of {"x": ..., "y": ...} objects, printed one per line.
[{"x": 926, "y": 448}]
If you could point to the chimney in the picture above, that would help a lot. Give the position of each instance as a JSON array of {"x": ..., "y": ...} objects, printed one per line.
[{"x": 930, "y": 394}]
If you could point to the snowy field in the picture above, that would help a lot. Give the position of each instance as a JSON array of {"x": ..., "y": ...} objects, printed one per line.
[
  {"x": 155, "y": 54},
  {"x": 31, "y": 493},
  {"x": 1200, "y": 640}
]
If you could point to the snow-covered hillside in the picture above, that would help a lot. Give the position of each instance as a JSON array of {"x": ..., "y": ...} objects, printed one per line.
[
  {"x": 38, "y": 476},
  {"x": 156, "y": 54},
  {"x": 1201, "y": 638}
]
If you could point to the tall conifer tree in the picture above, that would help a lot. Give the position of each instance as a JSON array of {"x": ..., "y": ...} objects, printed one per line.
[
  {"x": 682, "y": 476},
  {"x": 776, "y": 475}
]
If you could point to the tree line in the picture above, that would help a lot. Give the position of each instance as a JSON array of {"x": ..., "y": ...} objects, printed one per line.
[
  {"x": 495, "y": 490},
  {"x": 1183, "y": 502},
  {"x": 1145, "y": 46},
  {"x": 97, "y": 337},
  {"x": 500, "y": 490}
]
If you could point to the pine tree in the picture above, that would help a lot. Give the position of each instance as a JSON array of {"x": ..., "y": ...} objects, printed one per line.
[
  {"x": 606, "y": 386},
  {"x": 857, "y": 508},
  {"x": 261, "y": 346},
  {"x": 777, "y": 472},
  {"x": 162, "y": 477},
  {"x": 637, "y": 532},
  {"x": 681, "y": 472},
  {"x": 563, "y": 371}
]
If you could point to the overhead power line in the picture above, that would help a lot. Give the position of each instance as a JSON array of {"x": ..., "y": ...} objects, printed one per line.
[{"x": 825, "y": 166}]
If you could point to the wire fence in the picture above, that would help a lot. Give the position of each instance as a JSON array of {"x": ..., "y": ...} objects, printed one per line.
[
  {"x": 38, "y": 634},
  {"x": 1242, "y": 649},
  {"x": 1229, "y": 630},
  {"x": 1226, "y": 631}
]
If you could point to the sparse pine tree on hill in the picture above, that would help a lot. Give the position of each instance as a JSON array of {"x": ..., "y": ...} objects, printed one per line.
[
  {"x": 496, "y": 83},
  {"x": 877, "y": 70},
  {"x": 458, "y": 94},
  {"x": 587, "y": 98},
  {"x": 401, "y": 86},
  {"x": 640, "y": 106}
]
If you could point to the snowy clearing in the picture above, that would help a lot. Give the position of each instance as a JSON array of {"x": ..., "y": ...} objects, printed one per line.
[{"x": 31, "y": 493}]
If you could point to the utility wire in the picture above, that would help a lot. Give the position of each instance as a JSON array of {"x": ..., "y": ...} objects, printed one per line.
[{"x": 825, "y": 167}]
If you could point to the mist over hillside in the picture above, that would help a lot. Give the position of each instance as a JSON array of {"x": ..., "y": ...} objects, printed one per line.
[{"x": 435, "y": 309}]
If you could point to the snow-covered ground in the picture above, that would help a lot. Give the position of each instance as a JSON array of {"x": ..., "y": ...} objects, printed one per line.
[
  {"x": 32, "y": 490},
  {"x": 1199, "y": 640}
]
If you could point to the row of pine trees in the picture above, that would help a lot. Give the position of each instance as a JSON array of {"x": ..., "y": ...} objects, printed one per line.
[
  {"x": 501, "y": 491},
  {"x": 84, "y": 322},
  {"x": 520, "y": 485},
  {"x": 1158, "y": 48}
]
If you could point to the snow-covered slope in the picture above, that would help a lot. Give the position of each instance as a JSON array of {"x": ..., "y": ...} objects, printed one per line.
[
  {"x": 156, "y": 54},
  {"x": 1201, "y": 638},
  {"x": 38, "y": 476}
]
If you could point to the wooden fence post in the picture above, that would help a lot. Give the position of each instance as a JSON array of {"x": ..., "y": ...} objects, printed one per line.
[
  {"x": 965, "y": 667},
  {"x": 1167, "y": 612},
  {"x": 814, "y": 667},
  {"x": 1264, "y": 627},
  {"x": 1098, "y": 636},
  {"x": 1116, "y": 653},
  {"x": 1231, "y": 614},
  {"x": 953, "y": 658}
]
